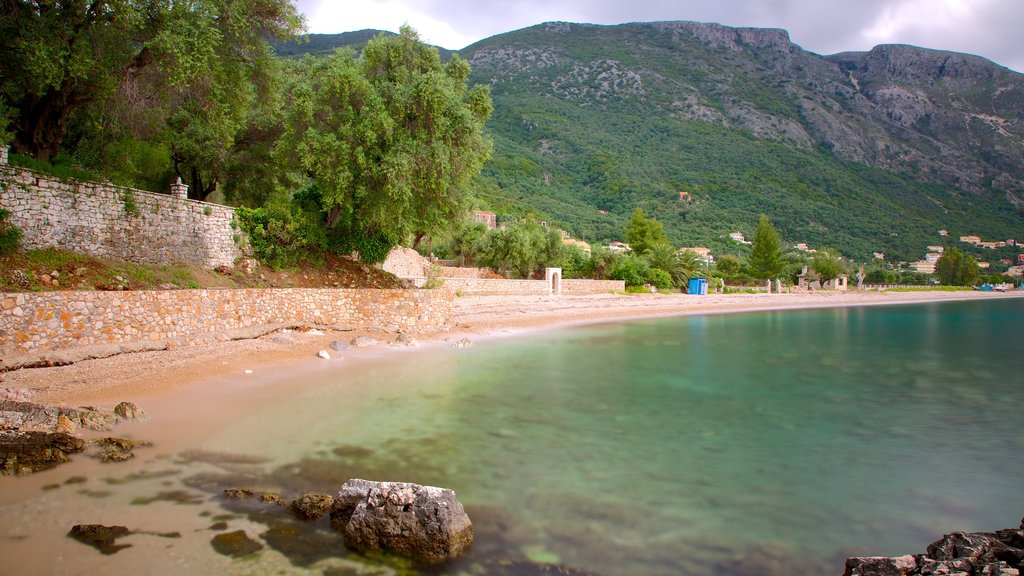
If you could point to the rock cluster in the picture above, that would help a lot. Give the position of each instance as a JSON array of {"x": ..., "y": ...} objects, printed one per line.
[
  {"x": 27, "y": 452},
  {"x": 999, "y": 553}
]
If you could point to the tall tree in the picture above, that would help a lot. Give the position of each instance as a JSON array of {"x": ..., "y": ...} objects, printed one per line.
[
  {"x": 765, "y": 261},
  {"x": 392, "y": 138},
  {"x": 643, "y": 233},
  {"x": 955, "y": 269}
]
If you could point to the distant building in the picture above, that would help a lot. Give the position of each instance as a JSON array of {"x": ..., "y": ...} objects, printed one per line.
[
  {"x": 617, "y": 247},
  {"x": 490, "y": 219},
  {"x": 939, "y": 249},
  {"x": 932, "y": 257},
  {"x": 992, "y": 245},
  {"x": 1020, "y": 258},
  {"x": 971, "y": 239},
  {"x": 879, "y": 256},
  {"x": 738, "y": 236},
  {"x": 943, "y": 232},
  {"x": 684, "y": 196},
  {"x": 1017, "y": 271},
  {"x": 1006, "y": 261},
  {"x": 577, "y": 243},
  {"x": 923, "y": 266},
  {"x": 702, "y": 252},
  {"x": 605, "y": 212},
  {"x": 984, "y": 265},
  {"x": 802, "y": 247}
]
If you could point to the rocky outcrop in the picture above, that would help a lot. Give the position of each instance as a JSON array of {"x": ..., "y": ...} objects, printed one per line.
[
  {"x": 999, "y": 553},
  {"x": 117, "y": 449},
  {"x": 313, "y": 506},
  {"x": 103, "y": 538},
  {"x": 27, "y": 452},
  {"x": 424, "y": 523}
]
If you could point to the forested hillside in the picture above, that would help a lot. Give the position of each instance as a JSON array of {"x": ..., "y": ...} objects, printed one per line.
[{"x": 862, "y": 151}]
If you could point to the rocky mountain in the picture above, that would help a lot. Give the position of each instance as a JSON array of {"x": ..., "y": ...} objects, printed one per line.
[{"x": 864, "y": 151}]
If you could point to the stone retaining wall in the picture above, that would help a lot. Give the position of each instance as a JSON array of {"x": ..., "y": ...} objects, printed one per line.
[
  {"x": 55, "y": 327},
  {"x": 530, "y": 287},
  {"x": 106, "y": 220}
]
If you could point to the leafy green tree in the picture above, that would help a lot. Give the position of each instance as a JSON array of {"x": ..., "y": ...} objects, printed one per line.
[
  {"x": 828, "y": 263},
  {"x": 765, "y": 260},
  {"x": 644, "y": 233},
  {"x": 659, "y": 279},
  {"x": 468, "y": 241},
  {"x": 61, "y": 57},
  {"x": 728, "y": 265},
  {"x": 680, "y": 266},
  {"x": 574, "y": 262},
  {"x": 522, "y": 249},
  {"x": 955, "y": 269},
  {"x": 392, "y": 138},
  {"x": 630, "y": 268}
]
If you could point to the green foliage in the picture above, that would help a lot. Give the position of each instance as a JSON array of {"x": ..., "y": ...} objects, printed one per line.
[
  {"x": 680, "y": 266},
  {"x": 10, "y": 235},
  {"x": 392, "y": 137},
  {"x": 643, "y": 233},
  {"x": 62, "y": 167},
  {"x": 630, "y": 268},
  {"x": 728, "y": 265},
  {"x": 659, "y": 279},
  {"x": 468, "y": 242},
  {"x": 434, "y": 279},
  {"x": 128, "y": 201},
  {"x": 575, "y": 263},
  {"x": 765, "y": 260},
  {"x": 828, "y": 263},
  {"x": 522, "y": 249},
  {"x": 281, "y": 234},
  {"x": 956, "y": 269}
]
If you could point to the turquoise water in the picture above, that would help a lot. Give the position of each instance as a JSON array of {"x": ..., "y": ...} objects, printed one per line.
[{"x": 767, "y": 443}]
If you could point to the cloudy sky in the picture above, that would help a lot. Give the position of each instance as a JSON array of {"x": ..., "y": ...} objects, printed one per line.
[{"x": 989, "y": 28}]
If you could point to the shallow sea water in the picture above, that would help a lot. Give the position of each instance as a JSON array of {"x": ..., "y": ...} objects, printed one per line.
[{"x": 764, "y": 443}]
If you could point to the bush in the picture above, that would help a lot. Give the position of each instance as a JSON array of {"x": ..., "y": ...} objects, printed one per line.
[
  {"x": 10, "y": 235},
  {"x": 659, "y": 278},
  {"x": 630, "y": 269}
]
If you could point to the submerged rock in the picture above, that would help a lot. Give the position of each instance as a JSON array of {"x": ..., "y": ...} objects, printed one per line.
[
  {"x": 117, "y": 449},
  {"x": 364, "y": 342},
  {"x": 27, "y": 452},
  {"x": 246, "y": 494},
  {"x": 313, "y": 506},
  {"x": 100, "y": 537},
  {"x": 464, "y": 343},
  {"x": 129, "y": 411},
  {"x": 235, "y": 544},
  {"x": 424, "y": 523}
]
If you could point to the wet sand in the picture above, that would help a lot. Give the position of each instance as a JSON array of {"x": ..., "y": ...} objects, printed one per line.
[{"x": 146, "y": 374}]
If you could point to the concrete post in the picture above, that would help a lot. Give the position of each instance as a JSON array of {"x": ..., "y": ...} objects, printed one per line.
[{"x": 179, "y": 190}]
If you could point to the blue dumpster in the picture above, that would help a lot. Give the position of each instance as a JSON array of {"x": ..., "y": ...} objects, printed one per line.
[{"x": 698, "y": 286}]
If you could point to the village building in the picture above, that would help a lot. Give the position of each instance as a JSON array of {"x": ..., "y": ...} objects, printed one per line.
[
  {"x": 584, "y": 246},
  {"x": 943, "y": 232},
  {"x": 617, "y": 247},
  {"x": 1017, "y": 271},
  {"x": 489, "y": 219},
  {"x": 939, "y": 249},
  {"x": 809, "y": 281},
  {"x": 971, "y": 239},
  {"x": 984, "y": 265},
  {"x": 702, "y": 252},
  {"x": 932, "y": 257},
  {"x": 923, "y": 266},
  {"x": 738, "y": 236},
  {"x": 879, "y": 256},
  {"x": 685, "y": 196}
]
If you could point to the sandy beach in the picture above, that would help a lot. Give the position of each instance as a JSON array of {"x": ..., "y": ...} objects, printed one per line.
[{"x": 145, "y": 374}]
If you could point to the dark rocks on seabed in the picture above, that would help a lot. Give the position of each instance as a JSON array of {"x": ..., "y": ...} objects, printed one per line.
[
  {"x": 103, "y": 538},
  {"x": 27, "y": 452},
  {"x": 423, "y": 523},
  {"x": 117, "y": 449},
  {"x": 313, "y": 506},
  {"x": 246, "y": 494},
  {"x": 235, "y": 544},
  {"x": 999, "y": 553}
]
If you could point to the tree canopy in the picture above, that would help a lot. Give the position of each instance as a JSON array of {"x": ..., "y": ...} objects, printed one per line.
[
  {"x": 198, "y": 65},
  {"x": 643, "y": 233},
  {"x": 955, "y": 269},
  {"x": 828, "y": 263},
  {"x": 765, "y": 260},
  {"x": 392, "y": 137}
]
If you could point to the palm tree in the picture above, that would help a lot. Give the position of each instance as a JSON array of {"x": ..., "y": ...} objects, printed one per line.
[{"x": 681, "y": 266}]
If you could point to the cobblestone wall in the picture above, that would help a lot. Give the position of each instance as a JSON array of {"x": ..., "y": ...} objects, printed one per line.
[
  {"x": 46, "y": 326},
  {"x": 107, "y": 220}
]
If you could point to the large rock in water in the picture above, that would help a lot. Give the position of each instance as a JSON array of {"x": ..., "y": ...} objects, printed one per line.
[
  {"x": 424, "y": 523},
  {"x": 27, "y": 452}
]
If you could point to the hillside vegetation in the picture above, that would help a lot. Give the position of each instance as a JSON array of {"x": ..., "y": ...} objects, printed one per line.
[{"x": 865, "y": 152}]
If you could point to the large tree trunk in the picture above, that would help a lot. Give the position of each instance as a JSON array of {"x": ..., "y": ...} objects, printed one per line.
[{"x": 42, "y": 123}]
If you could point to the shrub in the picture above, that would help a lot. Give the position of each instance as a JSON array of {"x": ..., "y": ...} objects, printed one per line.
[
  {"x": 630, "y": 269},
  {"x": 10, "y": 235},
  {"x": 659, "y": 278}
]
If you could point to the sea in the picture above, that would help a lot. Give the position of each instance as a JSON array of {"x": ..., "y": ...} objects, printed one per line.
[{"x": 765, "y": 443}]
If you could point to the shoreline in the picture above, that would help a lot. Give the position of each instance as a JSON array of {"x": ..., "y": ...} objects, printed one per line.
[{"x": 140, "y": 375}]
